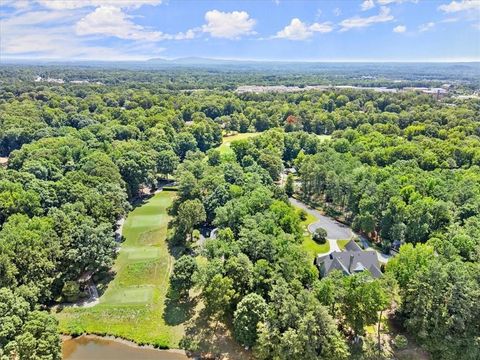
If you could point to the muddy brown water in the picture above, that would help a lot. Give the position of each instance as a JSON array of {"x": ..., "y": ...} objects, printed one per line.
[{"x": 88, "y": 347}]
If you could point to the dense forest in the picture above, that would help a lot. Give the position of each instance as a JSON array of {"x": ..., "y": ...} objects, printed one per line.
[{"x": 402, "y": 169}]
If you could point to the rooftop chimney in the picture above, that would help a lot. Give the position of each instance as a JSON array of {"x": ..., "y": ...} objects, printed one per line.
[{"x": 350, "y": 263}]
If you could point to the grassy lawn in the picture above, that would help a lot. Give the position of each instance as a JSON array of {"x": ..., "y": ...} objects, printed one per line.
[
  {"x": 341, "y": 243},
  {"x": 227, "y": 140},
  {"x": 324, "y": 137},
  {"x": 310, "y": 246},
  {"x": 133, "y": 305}
]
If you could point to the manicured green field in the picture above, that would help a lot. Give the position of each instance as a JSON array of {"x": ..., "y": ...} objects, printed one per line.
[
  {"x": 133, "y": 306},
  {"x": 227, "y": 140},
  {"x": 310, "y": 246}
]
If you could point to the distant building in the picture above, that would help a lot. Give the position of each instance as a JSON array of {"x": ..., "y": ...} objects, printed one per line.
[
  {"x": 49, "y": 80},
  {"x": 437, "y": 92},
  {"x": 351, "y": 260}
]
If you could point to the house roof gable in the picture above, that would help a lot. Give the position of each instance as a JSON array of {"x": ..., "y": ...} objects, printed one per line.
[{"x": 352, "y": 246}]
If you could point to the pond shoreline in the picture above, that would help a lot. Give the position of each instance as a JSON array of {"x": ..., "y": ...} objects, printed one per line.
[{"x": 118, "y": 340}]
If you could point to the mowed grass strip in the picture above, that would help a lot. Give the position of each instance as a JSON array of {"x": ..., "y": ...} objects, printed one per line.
[{"x": 133, "y": 305}]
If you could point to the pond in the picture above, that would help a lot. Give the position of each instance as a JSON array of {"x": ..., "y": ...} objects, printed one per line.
[{"x": 87, "y": 347}]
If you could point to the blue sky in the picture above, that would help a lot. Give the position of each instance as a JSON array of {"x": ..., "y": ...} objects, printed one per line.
[{"x": 348, "y": 30}]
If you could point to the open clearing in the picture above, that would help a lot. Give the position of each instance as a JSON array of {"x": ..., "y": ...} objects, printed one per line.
[
  {"x": 133, "y": 305},
  {"x": 228, "y": 139},
  {"x": 324, "y": 137}
]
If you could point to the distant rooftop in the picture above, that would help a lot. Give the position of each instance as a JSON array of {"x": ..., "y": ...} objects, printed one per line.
[{"x": 4, "y": 161}]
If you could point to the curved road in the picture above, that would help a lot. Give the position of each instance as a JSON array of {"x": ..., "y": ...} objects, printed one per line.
[{"x": 335, "y": 229}]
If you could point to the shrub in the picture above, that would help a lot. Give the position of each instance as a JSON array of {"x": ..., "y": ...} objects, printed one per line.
[
  {"x": 400, "y": 342},
  {"x": 71, "y": 291},
  {"x": 320, "y": 236},
  {"x": 303, "y": 215},
  {"x": 196, "y": 235}
]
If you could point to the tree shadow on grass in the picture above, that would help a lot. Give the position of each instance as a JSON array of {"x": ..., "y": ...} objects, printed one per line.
[
  {"x": 176, "y": 242},
  {"x": 103, "y": 279},
  {"x": 211, "y": 339},
  {"x": 178, "y": 309}
]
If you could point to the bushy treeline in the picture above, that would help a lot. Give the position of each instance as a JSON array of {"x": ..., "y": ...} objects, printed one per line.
[
  {"x": 432, "y": 213},
  {"x": 256, "y": 274},
  {"x": 73, "y": 170},
  {"x": 227, "y": 75}
]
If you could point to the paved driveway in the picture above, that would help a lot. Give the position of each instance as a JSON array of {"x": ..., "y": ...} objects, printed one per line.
[{"x": 335, "y": 230}]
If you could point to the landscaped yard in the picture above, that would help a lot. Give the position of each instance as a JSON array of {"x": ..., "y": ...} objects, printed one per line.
[
  {"x": 133, "y": 305},
  {"x": 311, "y": 247}
]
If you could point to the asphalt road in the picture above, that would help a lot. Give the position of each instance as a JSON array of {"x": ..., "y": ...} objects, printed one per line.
[{"x": 335, "y": 230}]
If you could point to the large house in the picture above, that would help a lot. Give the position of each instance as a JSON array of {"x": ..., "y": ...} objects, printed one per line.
[{"x": 351, "y": 260}]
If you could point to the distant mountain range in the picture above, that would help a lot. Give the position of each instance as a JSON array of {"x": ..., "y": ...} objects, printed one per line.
[
  {"x": 193, "y": 60},
  {"x": 338, "y": 71}
]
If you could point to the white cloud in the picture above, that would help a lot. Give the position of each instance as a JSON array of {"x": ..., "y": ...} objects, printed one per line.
[
  {"x": 298, "y": 30},
  {"x": 67, "y": 29},
  {"x": 25, "y": 34},
  {"x": 367, "y": 5},
  {"x": 17, "y": 4},
  {"x": 72, "y": 4},
  {"x": 361, "y": 22},
  {"x": 112, "y": 21},
  {"x": 26, "y": 19},
  {"x": 323, "y": 28},
  {"x": 400, "y": 29},
  {"x": 187, "y": 35},
  {"x": 463, "y": 5},
  {"x": 426, "y": 27},
  {"x": 230, "y": 25},
  {"x": 386, "y": 2},
  {"x": 337, "y": 11},
  {"x": 450, "y": 20}
]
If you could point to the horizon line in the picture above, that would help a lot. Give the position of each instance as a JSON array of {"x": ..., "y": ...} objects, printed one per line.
[{"x": 260, "y": 60}]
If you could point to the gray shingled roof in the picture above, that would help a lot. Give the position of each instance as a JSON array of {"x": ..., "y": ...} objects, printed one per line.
[
  {"x": 375, "y": 271},
  {"x": 349, "y": 261},
  {"x": 335, "y": 264},
  {"x": 352, "y": 246}
]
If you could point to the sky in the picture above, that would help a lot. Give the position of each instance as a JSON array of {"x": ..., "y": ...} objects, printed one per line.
[{"x": 295, "y": 30}]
